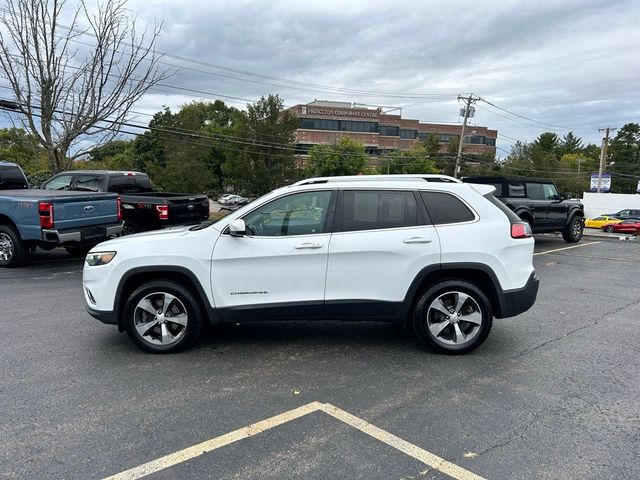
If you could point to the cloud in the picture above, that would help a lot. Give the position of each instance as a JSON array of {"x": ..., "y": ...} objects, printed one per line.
[{"x": 571, "y": 63}]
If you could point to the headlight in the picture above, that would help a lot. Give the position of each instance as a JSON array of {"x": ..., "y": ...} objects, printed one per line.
[{"x": 100, "y": 258}]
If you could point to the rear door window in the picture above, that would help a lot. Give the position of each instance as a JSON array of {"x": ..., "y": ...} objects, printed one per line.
[
  {"x": 377, "y": 209},
  {"x": 534, "y": 191},
  {"x": 445, "y": 208},
  {"x": 88, "y": 182},
  {"x": 516, "y": 190}
]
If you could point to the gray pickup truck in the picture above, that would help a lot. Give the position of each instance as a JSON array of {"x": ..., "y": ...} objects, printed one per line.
[{"x": 49, "y": 219}]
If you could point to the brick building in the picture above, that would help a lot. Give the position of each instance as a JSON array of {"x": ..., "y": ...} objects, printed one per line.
[{"x": 323, "y": 122}]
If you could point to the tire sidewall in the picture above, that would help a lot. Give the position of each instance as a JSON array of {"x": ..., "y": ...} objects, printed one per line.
[
  {"x": 422, "y": 306},
  {"x": 18, "y": 255},
  {"x": 188, "y": 299},
  {"x": 568, "y": 233},
  {"x": 132, "y": 226}
]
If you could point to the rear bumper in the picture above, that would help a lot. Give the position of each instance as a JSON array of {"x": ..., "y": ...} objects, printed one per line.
[
  {"x": 81, "y": 235},
  {"x": 515, "y": 302},
  {"x": 108, "y": 317}
]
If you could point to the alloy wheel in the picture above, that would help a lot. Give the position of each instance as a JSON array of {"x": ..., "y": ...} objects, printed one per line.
[
  {"x": 160, "y": 318},
  {"x": 6, "y": 247},
  {"x": 454, "y": 318}
]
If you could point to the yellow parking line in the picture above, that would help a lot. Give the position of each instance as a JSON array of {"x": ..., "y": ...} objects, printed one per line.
[
  {"x": 403, "y": 446},
  {"x": 567, "y": 248},
  {"x": 204, "y": 447}
]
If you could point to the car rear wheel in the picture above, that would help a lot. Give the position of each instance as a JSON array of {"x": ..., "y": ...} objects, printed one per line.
[
  {"x": 610, "y": 229},
  {"x": 163, "y": 317},
  {"x": 13, "y": 253},
  {"x": 453, "y": 317},
  {"x": 573, "y": 231},
  {"x": 129, "y": 228}
]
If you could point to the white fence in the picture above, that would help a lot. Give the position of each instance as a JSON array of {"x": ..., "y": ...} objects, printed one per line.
[{"x": 600, "y": 203}]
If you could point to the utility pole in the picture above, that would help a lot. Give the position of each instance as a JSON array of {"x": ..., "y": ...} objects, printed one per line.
[
  {"x": 467, "y": 109},
  {"x": 603, "y": 154}
]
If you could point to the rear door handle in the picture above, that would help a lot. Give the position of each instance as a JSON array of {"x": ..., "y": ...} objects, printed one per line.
[
  {"x": 417, "y": 240},
  {"x": 308, "y": 246}
]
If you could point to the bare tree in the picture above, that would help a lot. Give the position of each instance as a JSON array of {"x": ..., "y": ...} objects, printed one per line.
[{"x": 75, "y": 83}]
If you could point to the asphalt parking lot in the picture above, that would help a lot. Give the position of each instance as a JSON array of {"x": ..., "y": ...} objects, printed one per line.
[{"x": 552, "y": 394}]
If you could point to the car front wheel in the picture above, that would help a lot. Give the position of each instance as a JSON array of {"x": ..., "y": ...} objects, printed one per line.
[
  {"x": 163, "y": 317},
  {"x": 573, "y": 232},
  {"x": 453, "y": 317}
]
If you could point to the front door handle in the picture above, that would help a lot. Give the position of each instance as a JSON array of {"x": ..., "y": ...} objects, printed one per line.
[
  {"x": 308, "y": 246},
  {"x": 417, "y": 240}
]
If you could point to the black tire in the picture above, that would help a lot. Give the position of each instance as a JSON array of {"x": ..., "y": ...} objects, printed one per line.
[
  {"x": 573, "y": 231},
  {"x": 477, "y": 305},
  {"x": 134, "y": 317},
  {"x": 78, "y": 252},
  {"x": 129, "y": 228},
  {"x": 609, "y": 229},
  {"x": 13, "y": 251}
]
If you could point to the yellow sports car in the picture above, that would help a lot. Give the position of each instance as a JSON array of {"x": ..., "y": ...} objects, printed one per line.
[{"x": 600, "y": 222}]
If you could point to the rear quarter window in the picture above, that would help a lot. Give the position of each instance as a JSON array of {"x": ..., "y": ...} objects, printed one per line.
[{"x": 445, "y": 208}]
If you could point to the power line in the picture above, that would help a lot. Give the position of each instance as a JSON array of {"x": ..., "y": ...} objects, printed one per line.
[{"x": 528, "y": 118}]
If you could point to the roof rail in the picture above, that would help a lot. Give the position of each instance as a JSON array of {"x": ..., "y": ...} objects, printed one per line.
[{"x": 427, "y": 177}]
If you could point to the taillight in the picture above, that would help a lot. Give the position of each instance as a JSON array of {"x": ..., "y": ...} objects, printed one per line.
[
  {"x": 520, "y": 230},
  {"x": 119, "y": 208},
  {"x": 45, "y": 209},
  {"x": 163, "y": 212}
]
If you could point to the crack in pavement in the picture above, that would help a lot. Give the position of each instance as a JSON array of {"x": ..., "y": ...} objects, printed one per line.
[{"x": 576, "y": 330}]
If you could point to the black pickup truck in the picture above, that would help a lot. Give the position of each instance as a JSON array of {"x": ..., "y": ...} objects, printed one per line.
[
  {"x": 537, "y": 201},
  {"x": 142, "y": 208}
]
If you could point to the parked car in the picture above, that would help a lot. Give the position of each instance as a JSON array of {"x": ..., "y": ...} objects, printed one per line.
[
  {"x": 538, "y": 202},
  {"x": 601, "y": 221},
  {"x": 625, "y": 226},
  {"x": 233, "y": 200},
  {"x": 624, "y": 214},
  {"x": 12, "y": 177},
  {"x": 443, "y": 256},
  {"x": 142, "y": 208},
  {"x": 46, "y": 219}
]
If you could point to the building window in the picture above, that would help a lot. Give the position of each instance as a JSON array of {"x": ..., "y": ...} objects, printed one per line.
[
  {"x": 408, "y": 134},
  {"x": 490, "y": 141},
  {"x": 389, "y": 131},
  {"x": 422, "y": 136},
  {"x": 446, "y": 137}
]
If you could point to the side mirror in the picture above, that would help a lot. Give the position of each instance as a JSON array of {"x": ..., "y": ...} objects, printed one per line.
[{"x": 237, "y": 228}]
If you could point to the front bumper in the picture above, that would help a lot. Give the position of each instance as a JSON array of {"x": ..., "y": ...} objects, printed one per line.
[
  {"x": 81, "y": 235},
  {"x": 515, "y": 302},
  {"x": 108, "y": 317}
]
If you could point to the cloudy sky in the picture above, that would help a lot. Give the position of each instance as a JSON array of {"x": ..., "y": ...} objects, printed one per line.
[{"x": 564, "y": 65}]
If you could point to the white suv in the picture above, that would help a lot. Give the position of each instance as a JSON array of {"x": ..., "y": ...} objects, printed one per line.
[{"x": 442, "y": 255}]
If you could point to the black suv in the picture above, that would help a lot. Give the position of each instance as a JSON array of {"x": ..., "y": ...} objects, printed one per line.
[
  {"x": 11, "y": 176},
  {"x": 537, "y": 201}
]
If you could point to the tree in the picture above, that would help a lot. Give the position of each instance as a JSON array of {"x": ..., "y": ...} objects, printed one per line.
[
  {"x": 16, "y": 145},
  {"x": 570, "y": 144},
  {"x": 432, "y": 145},
  {"x": 624, "y": 151},
  {"x": 69, "y": 95},
  {"x": 263, "y": 147},
  {"x": 108, "y": 150},
  {"x": 347, "y": 157},
  {"x": 413, "y": 161},
  {"x": 548, "y": 142}
]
